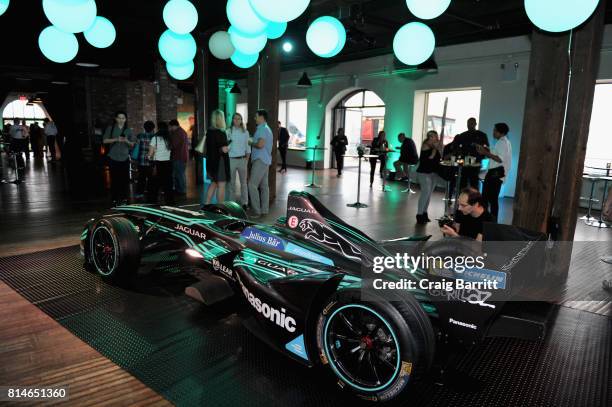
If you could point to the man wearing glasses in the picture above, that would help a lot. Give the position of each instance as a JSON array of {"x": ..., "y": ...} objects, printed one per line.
[{"x": 470, "y": 217}]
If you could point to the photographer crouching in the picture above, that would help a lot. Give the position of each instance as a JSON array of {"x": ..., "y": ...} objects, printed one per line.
[{"x": 470, "y": 216}]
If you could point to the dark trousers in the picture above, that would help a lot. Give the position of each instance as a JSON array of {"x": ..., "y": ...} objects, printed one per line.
[
  {"x": 339, "y": 161},
  {"x": 120, "y": 179},
  {"x": 383, "y": 166},
  {"x": 162, "y": 180},
  {"x": 490, "y": 193},
  {"x": 51, "y": 145},
  {"x": 470, "y": 177},
  {"x": 144, "y": 178},
  {"x": 283, "y": 155}
]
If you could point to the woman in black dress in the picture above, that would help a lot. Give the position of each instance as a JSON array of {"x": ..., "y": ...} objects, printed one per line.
[
  {"x": 217, "y": 159},
  {"x": 379, "y": 147},
  {"x": 339, "y": 143}
]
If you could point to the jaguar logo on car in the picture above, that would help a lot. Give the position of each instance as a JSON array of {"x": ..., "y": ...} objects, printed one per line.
[
  {"x": 276, "y": 267},
  {"x": 217, "y": 266},
  {"x": 189, "y": 231},
  {"x": 272, "y": 314},
  {"x": 303, "y": 210}
]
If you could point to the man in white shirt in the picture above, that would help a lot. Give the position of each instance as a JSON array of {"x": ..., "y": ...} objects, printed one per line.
[
  {"x": 50, "y": 131},
  {"x": 19, "y": 143},
  {"x": 499, "y": 166}
]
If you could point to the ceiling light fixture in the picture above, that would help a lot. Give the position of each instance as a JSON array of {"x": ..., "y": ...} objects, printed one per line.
[
  {"x": 87, "y": 64},
  {"x": 304, "y": 81},
  {"x": 287, "y": 47}
]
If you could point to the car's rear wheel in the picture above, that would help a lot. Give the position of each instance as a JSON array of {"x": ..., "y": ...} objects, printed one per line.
[
  {"x": 114, "y": 249},
  {"x": 375, "y": 349}
]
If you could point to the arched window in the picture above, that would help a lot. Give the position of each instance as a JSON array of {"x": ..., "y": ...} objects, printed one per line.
[{"x": 20, "y": 109}]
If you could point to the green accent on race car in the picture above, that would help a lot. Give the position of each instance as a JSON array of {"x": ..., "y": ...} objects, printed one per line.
[
  {"x": 164, "y": 214},
  {"x": 347, "y": 230},
  {"x": 84, "y": 234}
]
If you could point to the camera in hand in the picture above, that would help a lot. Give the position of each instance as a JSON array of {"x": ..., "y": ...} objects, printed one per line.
[{"x": 446, "y": 220}]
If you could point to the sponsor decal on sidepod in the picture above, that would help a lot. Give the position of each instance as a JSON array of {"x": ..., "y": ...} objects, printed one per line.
[
  {"x": 190, "y": 231},
  {"x": 272, "y": 314}
]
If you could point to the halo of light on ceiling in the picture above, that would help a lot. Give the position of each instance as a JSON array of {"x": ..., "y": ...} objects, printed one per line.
[
  {"x": 177, "y": 49},
  {"x": 4, "y": 4},
  {"x": 559, "y": 15},
  {"x": 180, "y": 16},
  {"x": 57, "y": 45},
  {"x": 427, "y": 9},
  {"x": 71, "y": 16},
  {"x": 242, "y": 17},
  {"x": 326, "y": 36},
  {"x": 245, "y": 44},
  {"x": 244, "y": 61},
  {"x": 414, "y": 43},
  {"x": 279, "y": 11},
  {"x": 101, "y": 34},
  {"x": 220, "y": 45},
  {"x": 287, "y": 47},
  {"x": 275, "y": 30},
  {"x": 180, "y": 72}
]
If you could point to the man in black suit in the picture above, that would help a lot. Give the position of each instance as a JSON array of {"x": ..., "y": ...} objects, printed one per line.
[
  {"x": 283, "y": 145},
  {"x": 464, "y": 145}
]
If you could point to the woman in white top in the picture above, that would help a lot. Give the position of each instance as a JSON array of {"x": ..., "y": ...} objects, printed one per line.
[
  {"x": 159, "y": 155},
  {"x": 239, "y": 152}
]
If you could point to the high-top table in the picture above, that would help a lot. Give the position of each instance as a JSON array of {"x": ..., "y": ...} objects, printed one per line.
[
  {"x": 459, "y": 165},
  {"x": 314, "y": 149},
  {"x": 359, "y": 204}
]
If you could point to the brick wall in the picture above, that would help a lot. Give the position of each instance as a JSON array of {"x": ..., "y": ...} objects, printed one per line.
[{"x": 166, "y": 95}]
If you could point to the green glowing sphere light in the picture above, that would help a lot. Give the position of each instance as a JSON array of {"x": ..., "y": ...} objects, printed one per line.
[
  {"x": 242, "y": 17},
  {"x": 220, "y": 45},
  {"x": 3, "y": 6},
  {"x": 101, "y": 34},
  {"x": 244, "y": 60},
  {"x": 414, "y": 43},
  {"x": 279, "y": 11},
  {"x": 559, "y": 15},
  {"x": 247, "y": 44},
  {"x": 275, "y": 30},
  {"x": 177, "y": 49},
  {"x": 180, "y": 16},
  {"x": 326, "y": 36},
  {"x": 427, "y": 9},
  {"x": 57, "y": 45},
  {"x": 180, "y": 72},
  {"x": 71, "y": 16}
]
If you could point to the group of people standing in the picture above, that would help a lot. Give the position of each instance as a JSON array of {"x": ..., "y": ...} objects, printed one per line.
[
  {"x": 22, "y": 137},
  {"x": 228, "y": 153},
  {"x": 429, "y": 170},
  {"x": 161, "y": 157}
]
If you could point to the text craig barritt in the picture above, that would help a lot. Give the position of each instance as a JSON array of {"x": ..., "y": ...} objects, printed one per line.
[{"x": 426, "y": 284}]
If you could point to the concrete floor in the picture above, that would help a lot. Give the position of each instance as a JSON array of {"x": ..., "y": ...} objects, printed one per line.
[{"x": 49, "y": 208}]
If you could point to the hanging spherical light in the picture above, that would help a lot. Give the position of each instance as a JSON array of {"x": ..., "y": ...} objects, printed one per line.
[
  {"x": 244, "y": 60},
  {"x": 245, "y": 44},
  {"x": 326, "y": 36},
  {"x": 242, "y": 17},
  {"x": 414, "y": 43},
  {"x": 279, "y": 11},
  {"x": 220, "y": 45},
  {"x": 177, "y": 49},
  {"x": 101, "y": 34},
  {"x": 559, "y": 15},
  {"x": 180, "y": 16},
  {"x": 275, "y": 30},
  {"x": 57, "y": 45},
  {"x": 427, "y": 9},
  {"x": 180, "y": 72},
  {"x": 71, "y": 16},
  {"x": 4, "y": 4}
]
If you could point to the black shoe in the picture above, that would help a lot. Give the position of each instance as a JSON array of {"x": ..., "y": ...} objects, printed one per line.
[
  {"x": 426, "y": 217},
  {"x": 421, "y": 219},
  {"x": 245, "y": 207}
]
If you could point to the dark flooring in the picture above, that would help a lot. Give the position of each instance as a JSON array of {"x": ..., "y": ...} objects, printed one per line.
[
  {"x": 196, "y": 355},
  {"x": 55, "y": 199}
]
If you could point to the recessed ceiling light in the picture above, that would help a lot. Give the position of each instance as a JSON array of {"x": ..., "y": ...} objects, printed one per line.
[
  {"x": 60, "y": 83},
  {"x": 87, "y": 64}
]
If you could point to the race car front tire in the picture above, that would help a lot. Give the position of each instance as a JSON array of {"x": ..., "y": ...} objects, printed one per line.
[
  {"x": 374, "y": 349},
  {"x": 114, "y": 249}
]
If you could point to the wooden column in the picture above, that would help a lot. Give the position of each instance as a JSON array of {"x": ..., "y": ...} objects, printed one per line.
[
  {"x": 542, "y": 128},
  {"x": 263, "y": 88},
  {"x": 586, "y": 51}
]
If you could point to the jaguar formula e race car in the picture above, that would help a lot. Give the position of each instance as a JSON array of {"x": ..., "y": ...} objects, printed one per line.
[{"x": 302, "y": 279}]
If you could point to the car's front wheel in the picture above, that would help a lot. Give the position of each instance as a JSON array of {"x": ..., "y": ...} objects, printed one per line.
[
  {"x": 114, "y": 249},
  {"x": 375, "y": 349}
]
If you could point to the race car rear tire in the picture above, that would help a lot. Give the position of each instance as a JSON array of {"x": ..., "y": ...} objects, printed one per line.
[
  {"x": 228, "y": 208},
  {"x": 114, "y": 249},
  {"x": 374, "y": 349}
]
